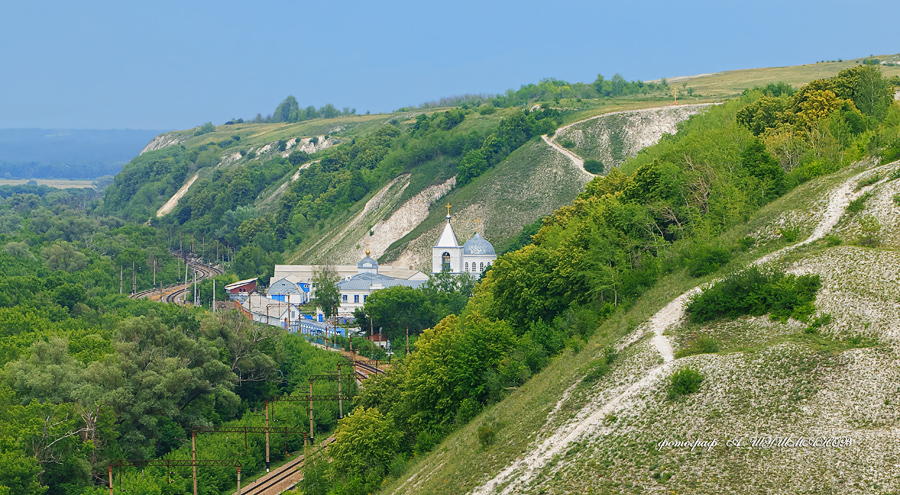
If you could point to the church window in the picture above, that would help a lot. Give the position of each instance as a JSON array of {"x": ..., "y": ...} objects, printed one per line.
[
  {"x": 344, "y": 298},
  {"x": 364, "y": 298},
  {"x": 481, "y": 267},
  {"x": 467, "y": 266},
  {"x": 445, "y": 261},
  {"x": 356, "y": 298}
]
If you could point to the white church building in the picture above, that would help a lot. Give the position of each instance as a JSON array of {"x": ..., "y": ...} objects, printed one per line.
[{"x": 473, "y": 257}]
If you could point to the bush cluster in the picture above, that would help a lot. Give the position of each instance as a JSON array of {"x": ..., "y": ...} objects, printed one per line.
[
  {"x": 684, "y": 382},
  {"x": 707, "y": 259},
  {"x": 594, "y": 166},
  {"x": 756, "y": 292}
]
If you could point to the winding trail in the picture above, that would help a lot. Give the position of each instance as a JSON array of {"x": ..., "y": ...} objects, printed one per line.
[
  {"x": 589, "y": 420},
  {"x": 577, "y": 160}
]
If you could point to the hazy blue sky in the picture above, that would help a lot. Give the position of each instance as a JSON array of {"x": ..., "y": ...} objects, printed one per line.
[{"x": 174, "y": 65}]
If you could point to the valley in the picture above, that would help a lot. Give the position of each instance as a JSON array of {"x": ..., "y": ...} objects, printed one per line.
[{"x": 669, "y": 298}]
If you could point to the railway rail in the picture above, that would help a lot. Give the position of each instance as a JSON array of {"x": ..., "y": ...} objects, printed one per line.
[
  {"x": 282, "y": 478},
  {"x": 171, "y": 293}
]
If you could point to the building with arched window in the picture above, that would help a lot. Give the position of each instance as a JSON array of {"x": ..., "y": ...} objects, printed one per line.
[{"x": 473, "y": 257}]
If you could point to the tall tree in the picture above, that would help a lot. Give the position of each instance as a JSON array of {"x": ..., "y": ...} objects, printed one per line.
[
  {"x": 328, "y": 296},
  {"x": 287, "y": 111}
]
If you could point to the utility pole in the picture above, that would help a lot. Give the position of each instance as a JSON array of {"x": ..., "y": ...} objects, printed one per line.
[
  {"x": 340, "y": 397},
  {"x": 120, "y": 278},
  {"x": 194, "y": 457},
  {"x": 214, "y": 297},
  {"x": 133, "y": 280},
  {"x": 267, "y": 436},
  {"x": 310, "y": 412},
  {"x": 407, "y": 340},
  {"x": 184, "y": 296}
]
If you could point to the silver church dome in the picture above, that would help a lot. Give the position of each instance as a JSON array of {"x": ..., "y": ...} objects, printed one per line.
[{"x": 477, "y": 245}]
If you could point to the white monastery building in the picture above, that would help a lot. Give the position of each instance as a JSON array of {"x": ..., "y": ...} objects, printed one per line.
[
  {"x": 293, "y": 283},
  {"x": 473, "y": 257}
]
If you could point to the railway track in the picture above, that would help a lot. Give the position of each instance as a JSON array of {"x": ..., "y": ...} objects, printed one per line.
[
  {"x": 284, "y": 477},
  {"x": 365, "y": 370},
  {"x": 171, "y": 293}
]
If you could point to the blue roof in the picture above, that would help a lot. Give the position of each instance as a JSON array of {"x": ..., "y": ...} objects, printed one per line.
[
  {"x": 283, "y": 287},
  {"x": 364, "y": 281}
]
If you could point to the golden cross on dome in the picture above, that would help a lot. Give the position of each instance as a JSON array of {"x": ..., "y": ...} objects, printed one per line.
[
  {"x": 367, "y": 248},
  {"x": 477, "y": 223},
  {"x": 448, "y": 209}
]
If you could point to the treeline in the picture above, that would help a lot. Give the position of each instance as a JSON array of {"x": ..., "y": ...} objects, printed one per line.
[
  {"x": 659, "y": 213},
  {"x": 289, "y": 111},
  {"x": 553, "y": 90},
  {"x": 514, "y": 131}
]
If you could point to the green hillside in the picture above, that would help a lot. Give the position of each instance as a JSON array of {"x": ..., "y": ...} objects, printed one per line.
[
  {"x": 715, "y": 312},
  {"x": 256, "y": 192},
  {"x": 713, "y": 290}
]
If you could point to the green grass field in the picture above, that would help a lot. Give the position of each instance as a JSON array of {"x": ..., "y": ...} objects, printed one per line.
[
  {"x": 57, "y": 183},
  {"x": 732, "y": 83}
]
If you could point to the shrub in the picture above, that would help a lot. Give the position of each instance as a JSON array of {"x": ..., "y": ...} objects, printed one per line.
[
  {"x": 867, "y": 181},
  {"x": 707, "y": 259},
  {"x": 702, "y": 345},
  {"x": 896, "y": 199},
  {"x": 486, "y": 110},
  {"x": 755, "y": 292},
  {"x": 790, "y": 233},
  {"x": 858, "y": 204},
  {"x": 746, "y": 243},
  {"x": 600, "y": 366},
  {"x": 832, "y": 240},
  {"x": 896, "y": 173},
  {"x": 205, "y": 129},
  {"x": 684, "y": 382},
  {"x": 568, "y": 143},
  {"x": 818, "y": 322},
  {"x": 870, "y": 227},
  {"x": 487, "y": 434},
  {"x": 594, "y": 166},
  {"x": 891, "y": 153}
]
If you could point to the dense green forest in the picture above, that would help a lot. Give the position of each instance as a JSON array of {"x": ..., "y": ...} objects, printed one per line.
[
  {"x": 663, "y": 211},
  {"x": 90, "y": 375}
]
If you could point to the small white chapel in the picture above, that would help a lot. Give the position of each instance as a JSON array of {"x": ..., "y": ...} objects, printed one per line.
[{"x": 473, "y": 257}]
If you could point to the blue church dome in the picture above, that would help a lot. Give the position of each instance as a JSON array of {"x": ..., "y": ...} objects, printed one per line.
[{"x": 477, "y": 245}]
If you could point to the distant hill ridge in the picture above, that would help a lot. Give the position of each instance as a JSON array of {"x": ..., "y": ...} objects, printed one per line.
[{"x": 68, "y": 154}]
